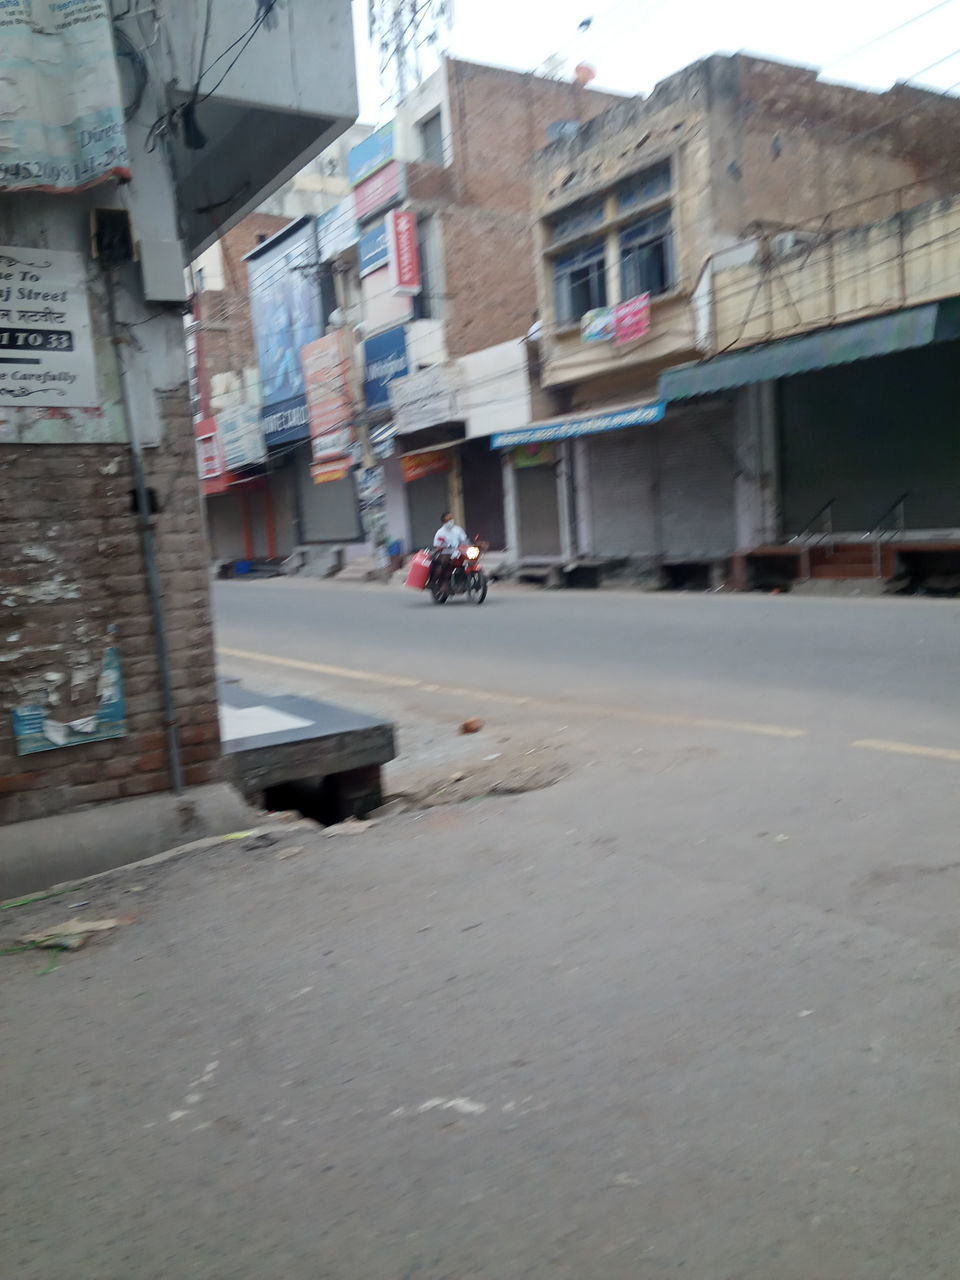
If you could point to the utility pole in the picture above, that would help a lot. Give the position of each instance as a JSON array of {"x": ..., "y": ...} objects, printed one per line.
[{"x": 399, "y": 29}]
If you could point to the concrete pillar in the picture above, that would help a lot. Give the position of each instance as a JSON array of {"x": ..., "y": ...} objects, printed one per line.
[
  {"x": 510, "y": 514},
  {"x": 757, "y": 485}
]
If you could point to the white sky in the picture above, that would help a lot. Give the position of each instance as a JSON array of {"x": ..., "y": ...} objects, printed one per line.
[{"x": 634, "y": 43}]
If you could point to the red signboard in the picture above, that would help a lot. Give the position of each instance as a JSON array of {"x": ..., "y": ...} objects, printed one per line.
[
  {"x": 404, "y": 251},
  {"x": 326, "y": 376},
  {"x": 417, "y": 465},
  {"x": 631, "y": 319},
  {"x": 380, "y": 190}
]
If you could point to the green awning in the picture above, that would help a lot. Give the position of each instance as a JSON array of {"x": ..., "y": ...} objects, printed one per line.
[{"x": 843, "y": 344}]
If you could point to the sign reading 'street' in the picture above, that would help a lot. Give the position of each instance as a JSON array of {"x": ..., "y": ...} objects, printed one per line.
[{"x": 46, "y": 350}]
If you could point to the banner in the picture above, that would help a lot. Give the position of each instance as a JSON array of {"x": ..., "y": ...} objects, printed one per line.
[
  {"x": 326, "y": 372},
  {"x": 631, "y": 319},
  {"x": 370, "y": 155},
  {"x": 374, "y": 250},
  {"x": 404, "y": 250},
  {"x": 430, "y": 463},
  {"x": 60, "y": 101},
  {"x": 383, "y": 189},
  {"x": 286, "y": 314},
  {"x": 385, "y": 358},
  {"x": 534, "y": 455},
  {"x": 241, "y": 438},
  {"x": 597, "y": 325}
]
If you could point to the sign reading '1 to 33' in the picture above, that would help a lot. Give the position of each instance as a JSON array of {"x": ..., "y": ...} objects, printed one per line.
[{"x": 46, "y": 349}]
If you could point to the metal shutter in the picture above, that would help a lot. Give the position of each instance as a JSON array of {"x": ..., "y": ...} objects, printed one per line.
[
  {"x": 427, "y": 500},
  {"x": 538, "y": 511},
  {"x": 698, "y": 467},
  {"x": 622, "y": 471},
  {"x": 328, "y": 511}
]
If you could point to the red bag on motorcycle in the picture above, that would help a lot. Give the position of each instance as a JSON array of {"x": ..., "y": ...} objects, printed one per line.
[{"x": 419, "y": 570}]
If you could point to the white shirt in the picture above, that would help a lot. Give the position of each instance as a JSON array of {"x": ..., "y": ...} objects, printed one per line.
[{"x": 450, "y": 536}]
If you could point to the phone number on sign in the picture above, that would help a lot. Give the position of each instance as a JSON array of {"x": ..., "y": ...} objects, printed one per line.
[{"x": 35, "y": 340}]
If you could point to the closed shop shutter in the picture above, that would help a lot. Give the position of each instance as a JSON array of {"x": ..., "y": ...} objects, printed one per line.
[
  {"x": 622, "y": 470},
  {"x": 538, "y": 511},
  {"x": 329, "y": 511},
  {"x": 698, "y": 467},
  {"x": 483, "y": 493},
  {"x": 225, "y": 526},
  {"x": 427, "y": 500}
]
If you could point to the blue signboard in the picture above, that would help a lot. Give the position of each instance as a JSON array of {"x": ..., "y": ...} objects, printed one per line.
[
  {"x": 385, "y": 358},
  {"x": 286, "y": 313},
  {"x": 370, "y": 155},
  {"x": 639, "y": 415},
  {"x": 374, "y": 249}
]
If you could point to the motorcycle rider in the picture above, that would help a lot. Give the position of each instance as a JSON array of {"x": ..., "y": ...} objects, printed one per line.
[{"x": 448, "y": 539}]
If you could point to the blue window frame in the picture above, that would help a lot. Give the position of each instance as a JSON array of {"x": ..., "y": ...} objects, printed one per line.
[
  {"x": 647, "y": 257},
  {"x": 580, "y": 282}
]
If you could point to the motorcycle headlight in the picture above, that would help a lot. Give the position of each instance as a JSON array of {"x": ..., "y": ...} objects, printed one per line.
[{"x": 473, "y": 553}]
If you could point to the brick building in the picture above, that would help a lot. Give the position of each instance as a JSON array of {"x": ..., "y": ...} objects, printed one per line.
[
  {"x": 630, "y": 210},
  {"x": 107, "y": 680}
]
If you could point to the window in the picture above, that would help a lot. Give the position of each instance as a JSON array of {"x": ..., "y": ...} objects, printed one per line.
[
  {"x": 646, "y": 256},
  {"x": 427, "y": 303},
  {"x": 645, "y": 187},
  {"x": 580, "y": 281},
  {"x": 431, "y": 139},
  {"x": 575, "y": 221}
]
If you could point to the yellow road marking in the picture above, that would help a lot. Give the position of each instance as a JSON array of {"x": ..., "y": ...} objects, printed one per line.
[
  {"x": 516, "y": 700},
  {"x": 907, "y": 749}
]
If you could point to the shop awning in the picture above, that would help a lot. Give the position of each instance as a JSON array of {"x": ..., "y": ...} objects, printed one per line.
[
  {"x": 843, "y": 344},
  {"x": 566, "y": 427}
]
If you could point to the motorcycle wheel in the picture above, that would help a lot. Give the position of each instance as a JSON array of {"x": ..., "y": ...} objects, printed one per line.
[
  {"x": 439, "y": 595},
  {"x": 477, "y": 587}
]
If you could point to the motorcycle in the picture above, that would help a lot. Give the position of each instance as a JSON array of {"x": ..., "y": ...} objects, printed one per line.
[{"x": 466, "y": 577}]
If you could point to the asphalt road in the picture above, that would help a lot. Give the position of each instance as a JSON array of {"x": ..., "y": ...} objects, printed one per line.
[{"x": 691, "y": 1010}]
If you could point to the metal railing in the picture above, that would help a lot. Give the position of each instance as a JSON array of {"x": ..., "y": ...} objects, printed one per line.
[
  {"x": 892, "y": 523},
  {"x": 817, "y": 532}
]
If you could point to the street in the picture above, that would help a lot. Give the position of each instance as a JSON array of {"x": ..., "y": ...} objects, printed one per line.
[{"x": 657, "y": 975}]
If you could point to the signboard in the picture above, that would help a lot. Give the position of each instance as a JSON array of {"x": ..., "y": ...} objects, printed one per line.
[
  {"x": 241, "y": 438},
  {"x": 337, "y": 229},
  {"x": 383, "y": 189},
  {"x": 534, "y": 455},
  {"x": 286, "y": 314},
  {"x": 60, "y": 98},
  {"x": 46, "y": 349},
  {"x": 416, "y": 466},
  {"x": 639, "y": 415},
  {"x": 424, "y": 399},
  {"x": 370, "y": 155},
  {"x": 404, "y": 252},
  {"x": 331, "y": 469},
  {"x": 385, "y": 358},
  {"x": 209, "y": 453},
  {"x": 631, "y": 319},
  {"x": 326, "y": 371},
  {"x": 597, "y": 325},
  {"x": 374, "y": 249},
  {"x": 35, "y": 729}
]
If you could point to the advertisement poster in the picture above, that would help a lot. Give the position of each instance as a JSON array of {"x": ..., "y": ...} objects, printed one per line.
[
  {"x": 597, "y": 325},
  {"x": 429, "y": 463},
  {"x": 535, "y": 455},
  {"x": 46, "y": 349},
  {"x": 332, "y": 469},
  {"x": 631, "y": 319},
  {"x": 374, "y": 250},
  {"x": 60, "y": 98},
  {"x": 326, "y": 372},
  {"x": 286, "y": 313},
  {"x": 35, "y": 729}
]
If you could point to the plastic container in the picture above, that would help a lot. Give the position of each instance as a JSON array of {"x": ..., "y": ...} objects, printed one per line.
[{"x": 419, "y": 572}]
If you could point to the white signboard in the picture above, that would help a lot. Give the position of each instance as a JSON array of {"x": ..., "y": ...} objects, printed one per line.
[
  {"x": 60, "y": 99},
  {"x": 241, "y": 437},
  {"x": 46, "y": 350},
  {"x": 424, "y": 399}
]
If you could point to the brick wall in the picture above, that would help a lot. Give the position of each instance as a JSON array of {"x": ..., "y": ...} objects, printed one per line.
[
  {"x": 71, "y": 580},
  {"x": 499, "y": 120}
]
